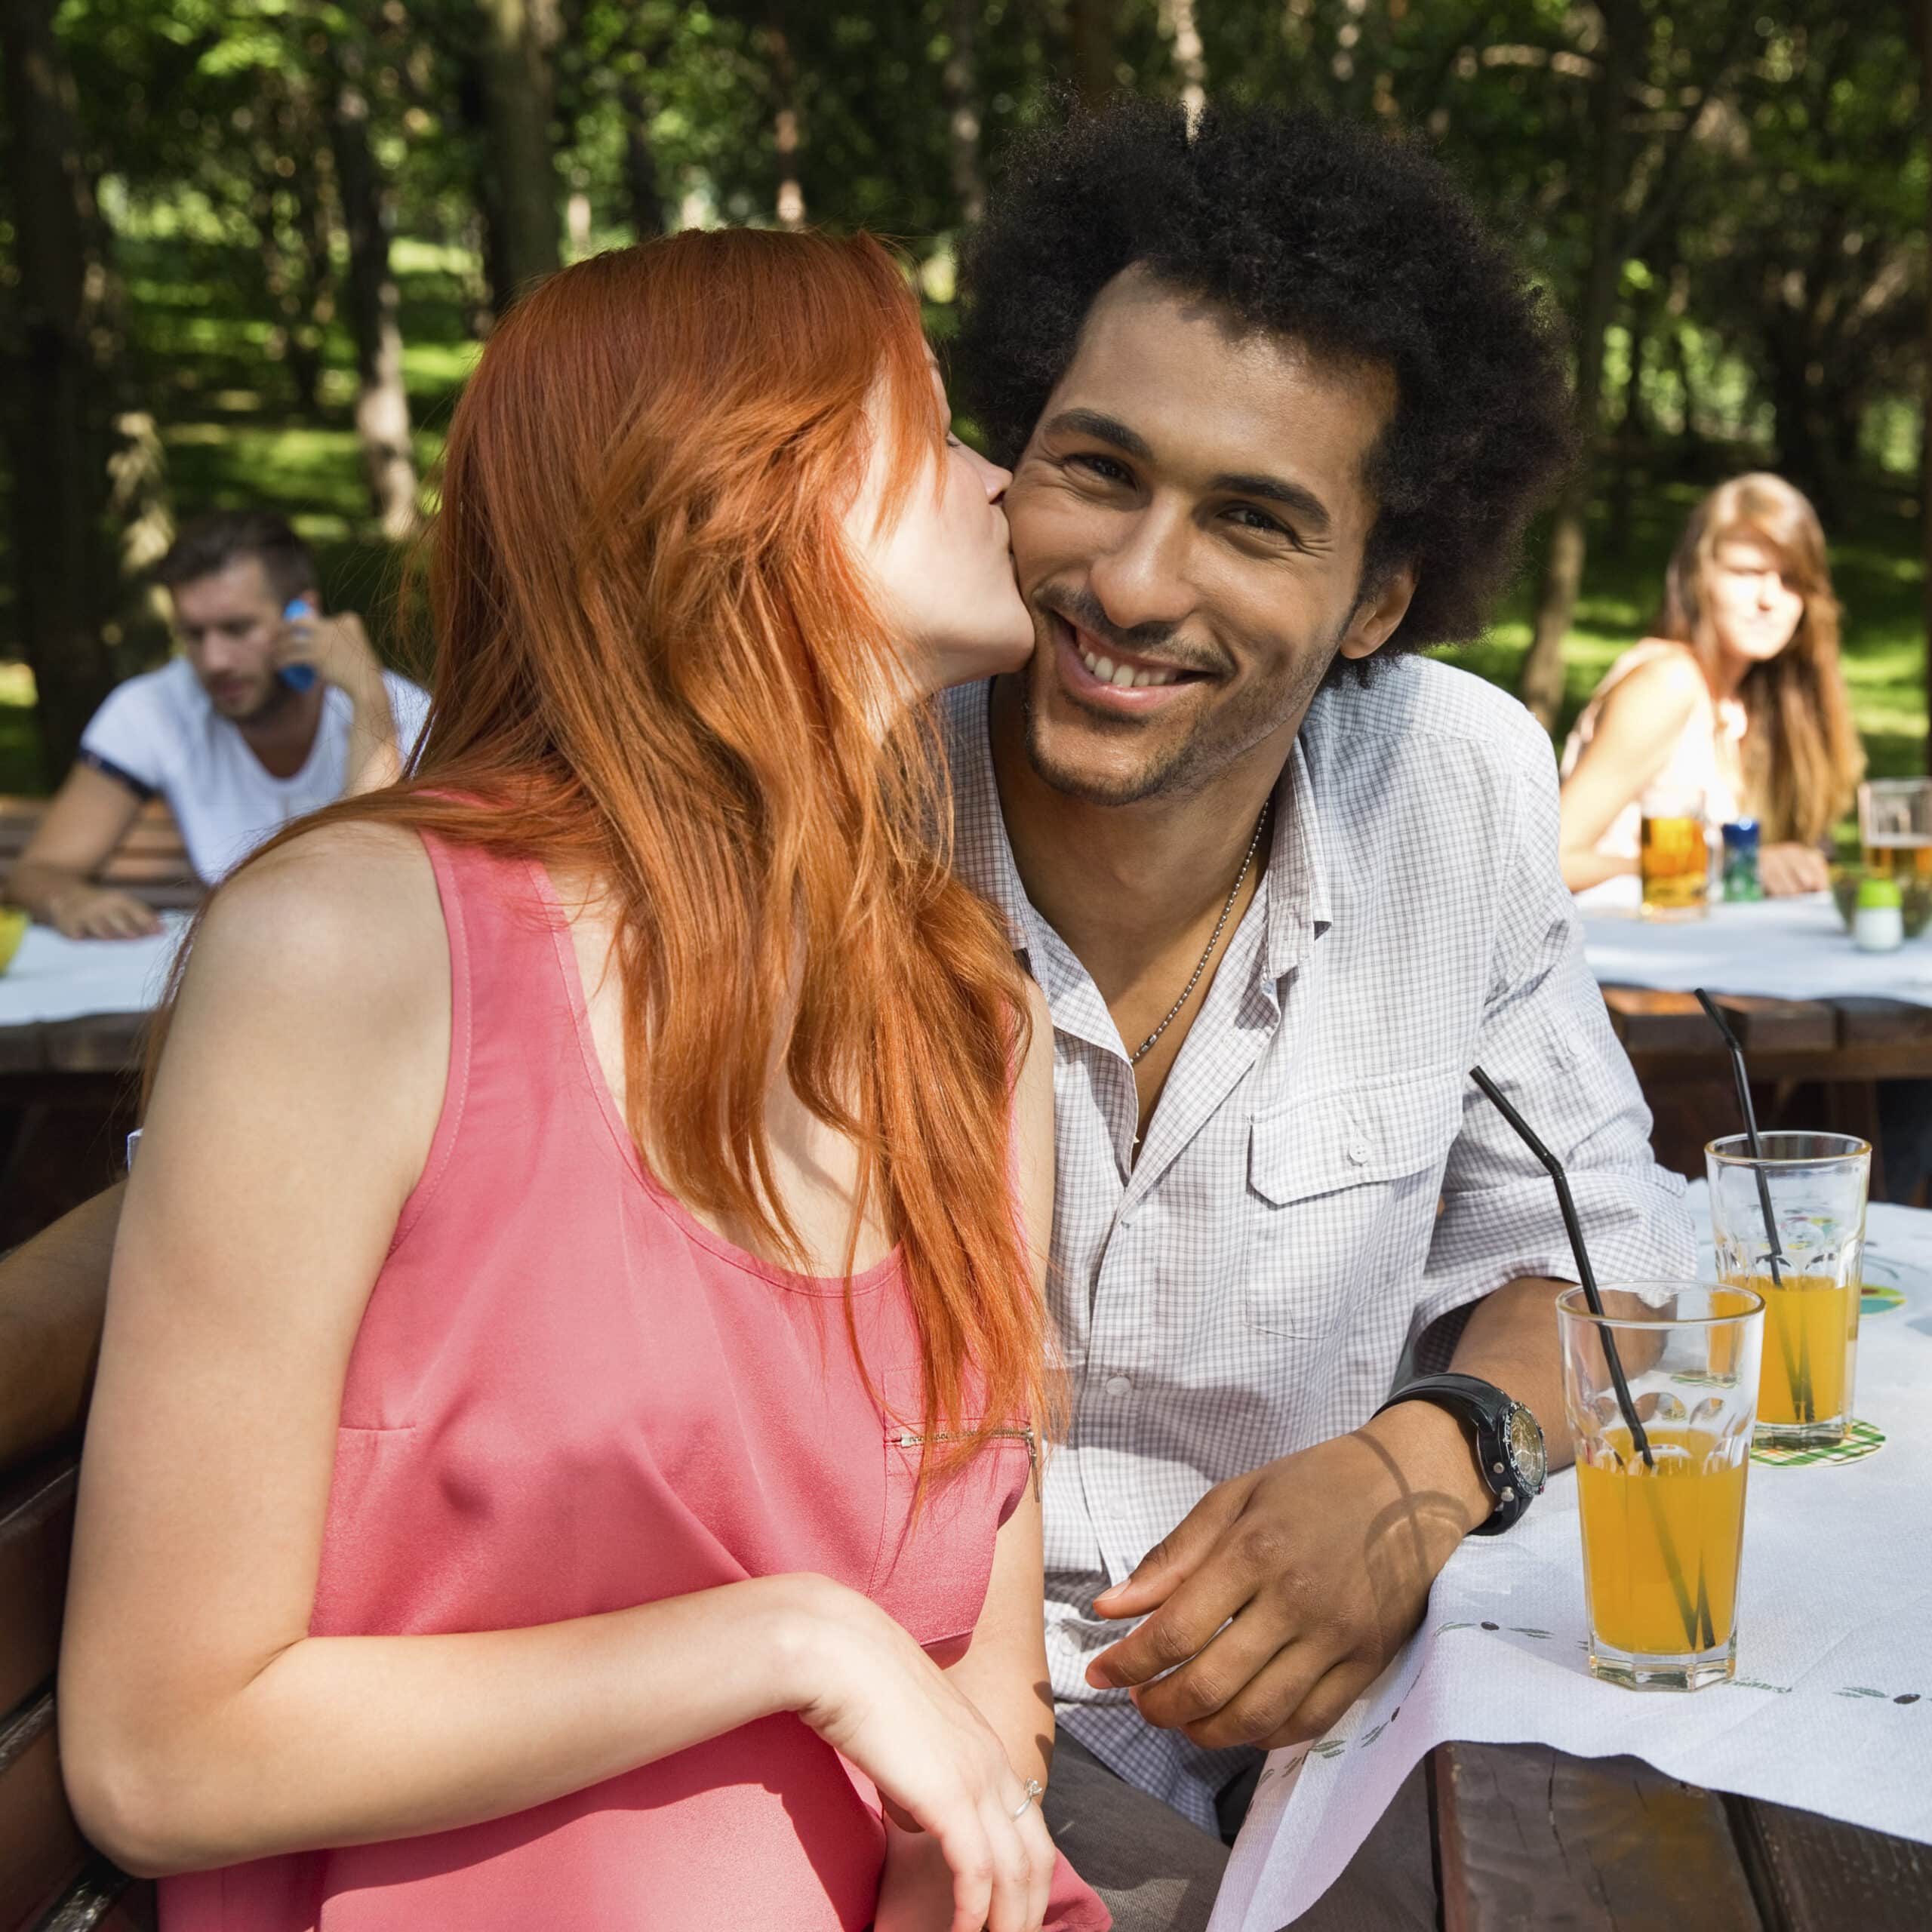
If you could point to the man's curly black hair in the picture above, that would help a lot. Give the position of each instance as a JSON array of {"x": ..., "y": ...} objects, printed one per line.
[{"x": 1359, "y": 246}]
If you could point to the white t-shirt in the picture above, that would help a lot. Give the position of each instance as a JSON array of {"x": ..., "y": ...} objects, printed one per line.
[{"x": 160, "y": 733}]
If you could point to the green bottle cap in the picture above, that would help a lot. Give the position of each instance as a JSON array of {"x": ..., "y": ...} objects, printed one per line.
[{"x": 1877, "y": 892}]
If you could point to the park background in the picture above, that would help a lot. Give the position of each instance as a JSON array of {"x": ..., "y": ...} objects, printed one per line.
[{"x": 250, "y": 250}]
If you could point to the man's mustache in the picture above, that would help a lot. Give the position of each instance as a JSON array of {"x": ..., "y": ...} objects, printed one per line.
[{"x": 1083, "y": 608}]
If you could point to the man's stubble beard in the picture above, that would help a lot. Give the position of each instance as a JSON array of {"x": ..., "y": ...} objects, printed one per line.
[{"x": 1191, "y": 766}]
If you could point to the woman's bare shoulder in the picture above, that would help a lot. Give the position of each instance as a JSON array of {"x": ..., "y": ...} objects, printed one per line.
[
  {"x": 1667, "y": 686},
  {"x": 344, "y": 914}
]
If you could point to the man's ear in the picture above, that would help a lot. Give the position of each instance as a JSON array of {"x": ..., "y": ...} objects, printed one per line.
[{"x": 1378, "y": 611}]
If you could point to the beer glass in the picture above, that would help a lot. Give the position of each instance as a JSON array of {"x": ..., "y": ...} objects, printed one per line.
[
  {"x": 1895, "y": 828},
  {"x": 1674, "y": 855}
]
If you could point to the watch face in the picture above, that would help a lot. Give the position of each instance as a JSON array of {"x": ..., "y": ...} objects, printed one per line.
[{"x": 1526, "y": 1449}]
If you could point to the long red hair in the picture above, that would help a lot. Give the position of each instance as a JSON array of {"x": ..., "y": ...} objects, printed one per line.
[{"x": 658, "y": 663}]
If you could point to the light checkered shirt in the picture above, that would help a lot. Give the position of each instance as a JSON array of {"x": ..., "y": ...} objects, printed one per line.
[{"x": 1248, "y": 1286}]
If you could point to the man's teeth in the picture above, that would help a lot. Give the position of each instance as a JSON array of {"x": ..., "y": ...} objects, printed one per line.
[{"x": 1124, "y": 677}]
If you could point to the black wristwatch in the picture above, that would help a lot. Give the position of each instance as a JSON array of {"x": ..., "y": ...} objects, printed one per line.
[{"x": 1508, "y": 1440}]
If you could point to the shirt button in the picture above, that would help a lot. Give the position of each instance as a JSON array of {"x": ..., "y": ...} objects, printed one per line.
[
  {"x": 1358, "y": 1152},
  {"x": 1119, "y": 1385}
]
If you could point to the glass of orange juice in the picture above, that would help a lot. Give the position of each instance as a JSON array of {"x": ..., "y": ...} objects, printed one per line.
[
  {"x": 1663, "y": 1533},
  {"x": 1816, "y": 1185},
  {"x": 1673, "y": 852}
]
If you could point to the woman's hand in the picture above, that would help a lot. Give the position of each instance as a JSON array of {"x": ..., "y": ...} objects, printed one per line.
[
  {"x": 872, "y": 1694},
  {"x": 915, "y": 1892},
  {"x": 1789, "y": 869}
]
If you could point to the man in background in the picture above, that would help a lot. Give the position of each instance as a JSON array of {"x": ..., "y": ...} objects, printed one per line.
[{"x": 272, "y": 710}]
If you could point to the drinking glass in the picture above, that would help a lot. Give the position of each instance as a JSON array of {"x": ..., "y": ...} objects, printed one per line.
[
  {"x": 1674, "y": 853},
  {"x": 1895, "y": 828},
  {"x": 1816, "y": 1185},
  {"x": 1662, "y": 1538}
]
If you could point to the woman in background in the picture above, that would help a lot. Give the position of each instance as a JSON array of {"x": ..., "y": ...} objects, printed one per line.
[
  {"x": 563, "y": 1448},
  {"x": 1739, "y": 695}
]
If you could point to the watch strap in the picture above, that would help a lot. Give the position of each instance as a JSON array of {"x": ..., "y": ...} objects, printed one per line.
[{"x": 1486, "y": 1408}]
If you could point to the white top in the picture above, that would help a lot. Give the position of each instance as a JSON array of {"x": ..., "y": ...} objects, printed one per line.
[
  {"x": 1703, "y": 759},
  {"x": 1248, "y": 1284},
  {"x": 160, "y": 733}
]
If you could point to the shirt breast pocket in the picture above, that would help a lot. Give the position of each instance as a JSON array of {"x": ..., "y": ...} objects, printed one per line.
[{"x": 1341, "y": 1198}]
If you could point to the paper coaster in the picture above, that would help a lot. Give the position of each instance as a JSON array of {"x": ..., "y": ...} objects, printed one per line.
[
  {"x": 1861, "y": 1439},
  {"x": 1875, "y": 1298}
]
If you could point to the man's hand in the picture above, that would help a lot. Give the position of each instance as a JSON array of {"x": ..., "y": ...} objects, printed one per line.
[
  {"x": 337, "y": 647},
  {"x": 82, "y": 911},
  {"x": 1282, "y": 1593}
]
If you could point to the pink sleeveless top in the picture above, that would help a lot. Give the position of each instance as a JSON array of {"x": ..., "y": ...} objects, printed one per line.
[{"x": 567, "y": 1396}]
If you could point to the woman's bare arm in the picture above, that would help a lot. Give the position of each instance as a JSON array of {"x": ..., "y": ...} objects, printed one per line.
[
  {"x": 1642, "y": 720},
  {"x": 201, "y": 1724}
]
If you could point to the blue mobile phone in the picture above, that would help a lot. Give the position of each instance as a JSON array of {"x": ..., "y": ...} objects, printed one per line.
[{"x": 297, "y": 677}]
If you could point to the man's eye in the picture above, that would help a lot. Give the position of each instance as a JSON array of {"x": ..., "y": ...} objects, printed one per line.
[
  {"x": 1249, "y": 518},
  {"x": 1104, "y": 467}
]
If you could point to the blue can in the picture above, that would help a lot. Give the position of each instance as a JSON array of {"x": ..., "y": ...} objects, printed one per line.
[{"x": 1740, "y": 861}]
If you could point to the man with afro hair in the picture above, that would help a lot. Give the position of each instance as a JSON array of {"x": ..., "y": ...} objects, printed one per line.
[{"x": 1279, "y": 408}]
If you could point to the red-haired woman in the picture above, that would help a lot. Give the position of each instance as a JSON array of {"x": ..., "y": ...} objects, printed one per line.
[
  {"x": 562, "y": 1450},
  {"x": 1738, "y": 697}
]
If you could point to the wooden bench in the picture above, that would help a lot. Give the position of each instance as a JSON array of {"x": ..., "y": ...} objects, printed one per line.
[
  {"x": 151, "y": 862},
  {"x": 51, "y": 1880}
]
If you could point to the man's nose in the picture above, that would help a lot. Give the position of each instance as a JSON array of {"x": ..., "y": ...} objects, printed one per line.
[{"x": 1142, "y": 578}]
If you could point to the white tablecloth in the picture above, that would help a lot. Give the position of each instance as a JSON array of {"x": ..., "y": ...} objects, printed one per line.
[
  {"x": 53, "y": 978},
  {"x": 1778, "y": 948},
  {"x": 1832, "y": 1710}
]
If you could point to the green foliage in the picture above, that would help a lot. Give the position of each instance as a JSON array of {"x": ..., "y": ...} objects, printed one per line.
[{"x": 1772, "y": 305}]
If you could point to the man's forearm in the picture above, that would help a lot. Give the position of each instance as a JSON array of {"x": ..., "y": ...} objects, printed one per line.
[
  {"x": 53, "y": 1291},
  {"x": 374, "y": 759},
  {"x": 1510, "y": 1340},
  {"x": 35, "y": 886}
]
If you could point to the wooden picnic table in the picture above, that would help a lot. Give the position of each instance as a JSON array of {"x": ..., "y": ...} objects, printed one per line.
[
  {"x": 1821, "y": 1061},
  {"x": 1528, "y": 1838}
]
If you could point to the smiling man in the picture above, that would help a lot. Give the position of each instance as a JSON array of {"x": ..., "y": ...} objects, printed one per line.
[{"x": 1279, "y": 409}]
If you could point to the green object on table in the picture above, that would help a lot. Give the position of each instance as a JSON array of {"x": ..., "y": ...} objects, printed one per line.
[
  {"x": 1913, "y": 898},
  {"x": 13, "y": 924},
  {"x": 1879, "y": 892}
]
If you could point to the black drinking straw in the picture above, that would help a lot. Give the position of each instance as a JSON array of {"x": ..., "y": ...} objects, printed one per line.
[
  {"x": 1750, "y": 1112},
  {"x": 1800, "y": 1371},
  {"x": 1585, "y": 1273},
  {"x": 1696, "y": 1618}
]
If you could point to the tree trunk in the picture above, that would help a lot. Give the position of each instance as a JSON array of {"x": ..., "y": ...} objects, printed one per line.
[
  {"x": 1925, "y": 376},
  {"x": 641, "y": 189},
  {"x": 961, "y": 78},
  {"x": 520, "y": 200},
  {"x": 1091, "y": 25},
  {"x": 382, "y": 402},
  {"x": 1540, "y": 683},
  {"x": 62, "y": 381},
  {"x": 1178, "y": 23},
  {"x": 789, "y": 202}
]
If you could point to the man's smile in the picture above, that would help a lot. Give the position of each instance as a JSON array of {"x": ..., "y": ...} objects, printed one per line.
[{"x": 1101, "y": 675}]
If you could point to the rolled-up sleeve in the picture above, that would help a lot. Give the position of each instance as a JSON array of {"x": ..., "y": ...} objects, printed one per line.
[{"x": 1546, "y": 1040}]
